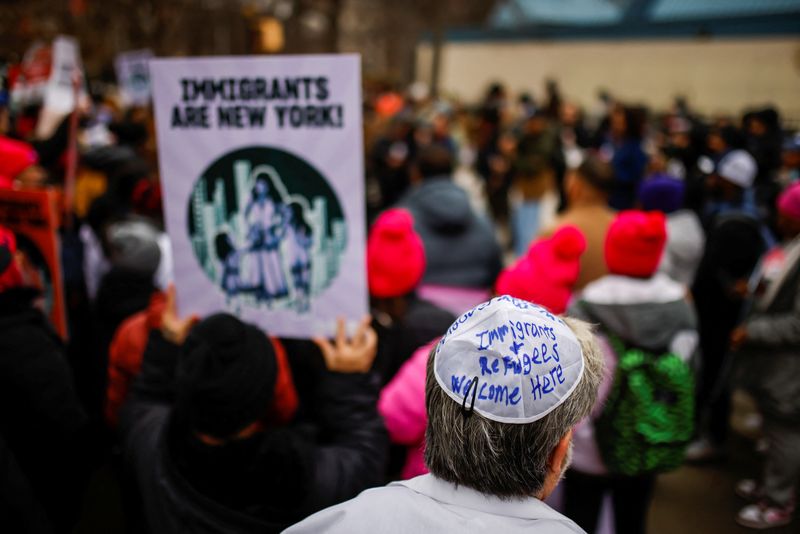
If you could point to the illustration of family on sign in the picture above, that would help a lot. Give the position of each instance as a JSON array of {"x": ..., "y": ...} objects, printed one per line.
[
  {"x": 273, "y": 248},
  {"x": 269, "y": 223}
]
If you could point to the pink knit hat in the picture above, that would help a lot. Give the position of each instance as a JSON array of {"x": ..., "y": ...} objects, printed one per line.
[
  {"x": 395, "y": 255},
  {"x": 635, "y": 242},
  {"x": 548, "y": 272},
  {"x": 789, "y": 201}
]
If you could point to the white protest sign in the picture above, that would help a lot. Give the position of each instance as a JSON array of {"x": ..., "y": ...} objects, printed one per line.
[
  {"x": 514, "y": 360},
  {"x": 59, "y": 96},
  {"x": 133, "y": 76},
  {"x": 262, "y": 171},
  {"x": 30, "y": 84}
]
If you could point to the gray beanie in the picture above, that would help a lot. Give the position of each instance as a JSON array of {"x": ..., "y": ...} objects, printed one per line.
[{"x": 133, "y": 246}]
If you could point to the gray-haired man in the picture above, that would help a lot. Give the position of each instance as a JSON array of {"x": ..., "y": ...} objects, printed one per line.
[{"x": 504, "y": 388}]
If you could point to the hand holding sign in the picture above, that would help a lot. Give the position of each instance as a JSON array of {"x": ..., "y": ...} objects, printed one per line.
[
  {"x": 350, "y": 356},
  {"x": 173, "y": 328}
]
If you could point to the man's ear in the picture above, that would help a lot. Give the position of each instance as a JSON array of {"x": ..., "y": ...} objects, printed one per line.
[
  {"x": 555, "y": 465},
  {"x": 559, "y": 455}
]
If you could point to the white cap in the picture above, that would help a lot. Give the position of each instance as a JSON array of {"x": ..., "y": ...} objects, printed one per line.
[
  {"x": 738, "y": 167},
  {"x": 510, "y": 360}
]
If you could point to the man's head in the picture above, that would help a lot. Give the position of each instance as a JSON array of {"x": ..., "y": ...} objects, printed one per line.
[
  {"x": 536, "y": 123},
  {"x": 662, "y": 193},
  {"x": 590, "y": 183},
  {"x": 504, "y": 389},
  {"x": 735, "y": 173},
  {"x": 434, "y": 161},
  {"x": 225, "y": 379},
  {"x": 133, "y": 247},
  {"x": 723, "y": 138}
]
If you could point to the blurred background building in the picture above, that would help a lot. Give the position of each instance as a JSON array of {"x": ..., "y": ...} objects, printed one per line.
[
  {"x": 728, "y": 54},
  {"x": 720, "y": 55}
]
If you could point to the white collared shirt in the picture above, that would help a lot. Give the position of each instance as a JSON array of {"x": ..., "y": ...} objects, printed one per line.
[{"x": 426, "y": 504}]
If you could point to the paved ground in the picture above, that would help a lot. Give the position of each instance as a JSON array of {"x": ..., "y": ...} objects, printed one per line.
[{"x": 700, "y": 500}]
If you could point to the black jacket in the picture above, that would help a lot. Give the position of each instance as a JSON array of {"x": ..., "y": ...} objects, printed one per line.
[
  {"x": 345, "y": 455},
  {"x": 20, "y": 510},
  {"x": 41, "y": 419}
]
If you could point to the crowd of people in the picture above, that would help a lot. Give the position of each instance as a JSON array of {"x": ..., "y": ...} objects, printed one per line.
[{"x": 554, "y": 293}]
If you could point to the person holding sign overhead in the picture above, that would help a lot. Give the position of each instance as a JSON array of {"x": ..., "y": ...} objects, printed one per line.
[
  {"x": 505, "y": 385},
  {"x": 203, "y": 438}
]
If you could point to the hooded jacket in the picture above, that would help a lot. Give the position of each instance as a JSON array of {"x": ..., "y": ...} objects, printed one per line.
[
  {"x": 653, "y": 314},
  {"x": 460, "y": 247}
]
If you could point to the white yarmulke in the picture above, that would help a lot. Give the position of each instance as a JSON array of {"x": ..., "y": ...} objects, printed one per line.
[
  {"x": 526, "y": 360},
  {"x": 738, "y": 167}
]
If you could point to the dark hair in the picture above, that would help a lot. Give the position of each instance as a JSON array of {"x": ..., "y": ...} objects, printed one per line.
[
  {"x": 123, "y": 178},
  {"x": 272, "y": 192},
  {"x": 731, "y": 135},
  {"x": 635, "y": 119},
  {"x": 532, "y": 165},
  {"x": 223, "y": 246},
  {"x": 298, "y": 221},
  {"x": 597, "y": 173},
  {"x": 435, "y": 160}
]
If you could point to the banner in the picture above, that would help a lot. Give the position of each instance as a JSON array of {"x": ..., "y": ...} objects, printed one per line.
[
  {"x": 33, "y": 217},
  {"x": 133, "y": 76},
  {"x": 262, "y": 171}
]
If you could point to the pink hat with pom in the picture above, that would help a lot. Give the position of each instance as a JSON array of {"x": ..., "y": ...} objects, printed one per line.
[
  {"x": 395, "y": 255},
  {"x": 789, "y": 201},
  {"x": 547, "y": 274}
]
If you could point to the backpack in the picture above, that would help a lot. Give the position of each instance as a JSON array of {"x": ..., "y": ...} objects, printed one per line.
[{"x": 648, "y": 418}]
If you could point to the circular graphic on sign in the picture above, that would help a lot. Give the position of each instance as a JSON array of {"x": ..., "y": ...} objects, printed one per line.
[{"x": 266, "y": 228}]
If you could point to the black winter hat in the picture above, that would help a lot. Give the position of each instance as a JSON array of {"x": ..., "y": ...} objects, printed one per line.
[{"x": 225, "y": 376}]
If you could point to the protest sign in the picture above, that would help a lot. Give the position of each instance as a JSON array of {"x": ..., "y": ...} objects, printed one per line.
[
  {"x": 262, "y": 171},
  {"x": 60, "y": 96},
  {"x": 133, "y": 76},
  {"x": 29, "y": 82},
  {"x": 33, "y": 217}
]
